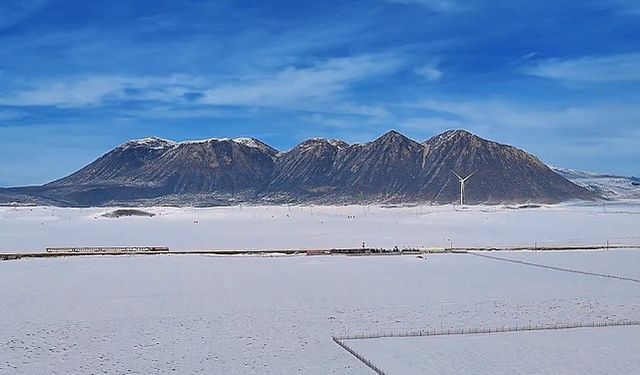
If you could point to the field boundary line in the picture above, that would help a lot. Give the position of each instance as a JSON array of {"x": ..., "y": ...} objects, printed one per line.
[
  {"x": 588, "y": 273},
  {"x": 362, "y": 359},
  {"x": 472, "y": 331}
]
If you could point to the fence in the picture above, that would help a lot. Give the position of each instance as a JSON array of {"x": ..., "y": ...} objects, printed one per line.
[
  {"x": 360, "y": 357},
  {"x": 469, "y": 331},
  {"x": 556, "y": 268}
]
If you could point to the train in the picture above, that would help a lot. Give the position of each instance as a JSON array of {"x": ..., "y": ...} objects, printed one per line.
[{"x": 108, "y": 249}]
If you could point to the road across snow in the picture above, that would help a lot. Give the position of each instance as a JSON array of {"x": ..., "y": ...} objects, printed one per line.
[
  {"x": 31, "y": 229},
  {"x": 247, "y": 315}
]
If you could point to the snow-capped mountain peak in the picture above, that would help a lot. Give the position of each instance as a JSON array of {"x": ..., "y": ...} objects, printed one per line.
[{"x": 150, "y": 142}]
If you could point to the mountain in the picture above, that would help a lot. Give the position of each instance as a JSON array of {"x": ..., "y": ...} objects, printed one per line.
[
  {"x": 397, "y": 169},
  {"x": 221, "y": 169},
  {"x": 392, "y": 169},
  {"x": 119, "y": 166},
  {"x": 502, "y": 173},
  {"x": 332, "y": 170},
  {"x": 607, "y": 185},
  {"x": 306, "y": 170},
  {"x": 385, "y": 169}
]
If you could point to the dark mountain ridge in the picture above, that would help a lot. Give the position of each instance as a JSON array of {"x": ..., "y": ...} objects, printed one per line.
[{"x": 392, "y": 168}]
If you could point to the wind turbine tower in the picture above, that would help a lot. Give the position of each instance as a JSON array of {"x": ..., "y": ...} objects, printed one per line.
[{"x": 462, "y": 181}]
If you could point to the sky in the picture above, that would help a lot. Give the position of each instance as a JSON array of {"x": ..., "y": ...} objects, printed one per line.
[{"x": 559, "y": 79}]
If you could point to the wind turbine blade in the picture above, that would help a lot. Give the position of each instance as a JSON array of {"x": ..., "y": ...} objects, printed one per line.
[
  {"x": 457, "y": 175},
  {"x": 472, "y": 173}
]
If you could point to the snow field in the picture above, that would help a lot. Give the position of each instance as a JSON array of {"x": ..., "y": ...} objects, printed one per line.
[
  {"x": 594, "y": 351},
  {"x": 244, "y": 315},
  {"x": 32, "y": 229},
  {"x": 625, "y": 263}
]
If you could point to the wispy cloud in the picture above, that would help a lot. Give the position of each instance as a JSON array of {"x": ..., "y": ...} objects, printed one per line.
[
  {"x": 297, "y": 88},
  {"x": 429, "y": 72},
  {"x": 501, "y": 114},
  {"x": 496, "y": 113},
  {"x": 440, "y": 6},
  {"x": 8, "y": 115},
  {"x": 324, "y": 81},
  {"x": 95, "y": 90},
  {"x": 624, "y": 67}
]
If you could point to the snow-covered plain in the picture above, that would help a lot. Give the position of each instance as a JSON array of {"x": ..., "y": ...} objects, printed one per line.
[
  {"x": 276, "y": 315},
  {"x": 25, "y": 229},
  {"x": 593, "y": 351},
  {"x": 625, "y": 263},
  {"x": 259, "y": 315}
]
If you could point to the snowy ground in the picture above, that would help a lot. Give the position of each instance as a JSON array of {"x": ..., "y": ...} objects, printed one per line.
[
  {"x": 257, "y": 315},
  {"x": 302, "y": 227},
  {"x": 593, "y": 351},
  {"x": 625, "y": 263}
]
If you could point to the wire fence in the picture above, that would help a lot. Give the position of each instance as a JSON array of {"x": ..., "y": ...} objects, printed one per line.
[
  {"x": 469, "y": 331},
  {"x": 474, "y": 330},
  {"x": 362, "y": 359},
  {"x": 588, "y": 273}
]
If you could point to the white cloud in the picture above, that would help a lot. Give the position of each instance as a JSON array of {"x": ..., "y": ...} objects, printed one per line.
[
  {"x": 624, "y": 67},
  {"x": 320, "y": 87},
  {"x": 8, "y": 115},
  {"x": 496, "y": 113},
  {"x": 495, "y": 116},
  {"x": 363, "y": 110},
  {"x": 94, "y": 90},
  {"x": 429, "y": 72},
  {"x": 323, "y": 82}
]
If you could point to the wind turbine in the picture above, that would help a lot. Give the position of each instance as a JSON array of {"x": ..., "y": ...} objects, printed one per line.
[{"x": 462, "y": 181}]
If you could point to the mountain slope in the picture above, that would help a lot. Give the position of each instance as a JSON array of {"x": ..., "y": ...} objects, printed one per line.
[
  {"x": 502, "y": 173},
  {"x": 120, "y": 166},
  {"x": 223, "y": 166},
  {"x": 387, "y": 168},
  {"x": 152, "y": 167},
  {"x": 306, "y": 170}
]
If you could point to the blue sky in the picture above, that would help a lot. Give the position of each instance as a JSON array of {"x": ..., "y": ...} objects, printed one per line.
[{"x": 560, "y": 79}]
